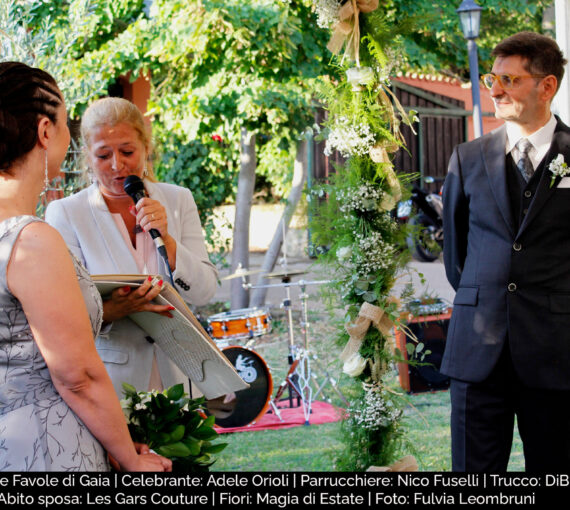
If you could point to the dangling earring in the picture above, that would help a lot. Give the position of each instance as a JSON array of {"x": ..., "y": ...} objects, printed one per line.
[
  {"x": 46, "y": 178},
  {"x": 145, "y": 170}
]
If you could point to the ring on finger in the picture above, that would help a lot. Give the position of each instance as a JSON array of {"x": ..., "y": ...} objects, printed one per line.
[{"x": 152, "y": 216}]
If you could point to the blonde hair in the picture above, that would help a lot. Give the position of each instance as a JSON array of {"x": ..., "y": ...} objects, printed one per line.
[{"x": 110, "y": 111}]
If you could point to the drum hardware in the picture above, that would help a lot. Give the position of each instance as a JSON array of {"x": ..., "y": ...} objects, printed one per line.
[
  {"x": 285, "y": 273},
  {"x": 301, "y": 376},
  {"x": 241, "y": 273}
]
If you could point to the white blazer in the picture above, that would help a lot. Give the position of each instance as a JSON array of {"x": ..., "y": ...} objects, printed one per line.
[{"x": 90, "y": 232}]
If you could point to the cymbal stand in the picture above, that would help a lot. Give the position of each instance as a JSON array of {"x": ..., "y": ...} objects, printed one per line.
[
  {"x": 307, "y": 356},
  {"x": 300, "y": 374},
  {"x": 289, "y": 380}
]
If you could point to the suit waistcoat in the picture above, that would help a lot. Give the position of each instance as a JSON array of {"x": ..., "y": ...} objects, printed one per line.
[{"x": 521, "y": 192}]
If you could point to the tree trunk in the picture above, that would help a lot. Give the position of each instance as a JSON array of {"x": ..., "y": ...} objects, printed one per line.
[
  {"x": 299, "y": 178},
  {"x": 240, "y": 248}
]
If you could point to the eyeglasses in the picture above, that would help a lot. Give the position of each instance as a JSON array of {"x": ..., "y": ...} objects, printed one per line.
[{"x": 506, "y": 81}]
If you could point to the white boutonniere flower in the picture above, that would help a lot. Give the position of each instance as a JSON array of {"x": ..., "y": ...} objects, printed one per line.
[{"x": 558, "y": 168}]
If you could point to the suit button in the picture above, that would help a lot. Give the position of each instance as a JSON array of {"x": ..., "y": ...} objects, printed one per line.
[
  {"x": 512, "y": 287},
  {"x": 517, "y": 247},
  {"x": 525, "y": 211},
  {"x": 528, "y": 194}
]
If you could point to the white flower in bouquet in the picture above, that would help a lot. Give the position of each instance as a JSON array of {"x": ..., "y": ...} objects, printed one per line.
[
  {"x": 344, "y": 253},
  {"x": 377, "y": 410},
  {"x": 362, "y": 198},
  {"x": 350, "y": 139},
  {"x": 357, "y": 76},
  {"x": 374, "y": 254},
  {"x": 354, "y": 365},
  {"x": 327, "y": 12}
]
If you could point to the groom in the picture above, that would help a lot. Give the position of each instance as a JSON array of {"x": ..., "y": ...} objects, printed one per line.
[{"x": 507, "y": 254}]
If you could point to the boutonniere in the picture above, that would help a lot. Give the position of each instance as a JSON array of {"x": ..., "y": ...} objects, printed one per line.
[{"x": 558, "y": 168}]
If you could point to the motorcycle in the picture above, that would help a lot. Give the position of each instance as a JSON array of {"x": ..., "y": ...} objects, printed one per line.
[{"x": 424, "y": 213}]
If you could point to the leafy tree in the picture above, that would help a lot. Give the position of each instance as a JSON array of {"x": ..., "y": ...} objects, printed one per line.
[
  {"x": 437, "y": 43},
  {"x": 217, "y": 67}
]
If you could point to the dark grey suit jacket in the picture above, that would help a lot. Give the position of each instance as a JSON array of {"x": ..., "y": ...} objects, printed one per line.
[{"x": 509, "y": 284}]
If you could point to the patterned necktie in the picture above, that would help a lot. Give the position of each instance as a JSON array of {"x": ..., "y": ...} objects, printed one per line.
[{"x": 524, "y": 164}]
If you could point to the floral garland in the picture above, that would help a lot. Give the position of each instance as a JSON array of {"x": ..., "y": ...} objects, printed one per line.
[{"x": 356, "y": 224}]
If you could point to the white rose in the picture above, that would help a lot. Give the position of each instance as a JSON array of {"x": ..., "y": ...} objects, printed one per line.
[
  {"x": 560, "y": 159},
  {"x": 360, "y": 75},
  {"x": 344, "y": 253},
  {"x": 354, "y": 365}
]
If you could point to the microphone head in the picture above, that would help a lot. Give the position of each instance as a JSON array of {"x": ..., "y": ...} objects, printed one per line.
[{"x": 133, "y": 186}]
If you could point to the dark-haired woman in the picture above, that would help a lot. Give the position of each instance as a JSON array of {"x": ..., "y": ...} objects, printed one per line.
[{"x": 58, "y": 410}]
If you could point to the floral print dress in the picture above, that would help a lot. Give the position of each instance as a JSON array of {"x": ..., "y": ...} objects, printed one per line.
[{"x": 38, "y": 431}]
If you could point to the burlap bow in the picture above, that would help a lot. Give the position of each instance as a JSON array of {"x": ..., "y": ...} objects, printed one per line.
[
  {"x": 348, "y": 26},
  {"x": 407, "y": 463},
  {"x": 368, "y": 314}
]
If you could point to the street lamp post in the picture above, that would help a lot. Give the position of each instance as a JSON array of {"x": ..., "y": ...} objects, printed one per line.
[{"x": 470, "y": 16}]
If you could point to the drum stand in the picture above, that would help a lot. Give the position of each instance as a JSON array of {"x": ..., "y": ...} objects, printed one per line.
[{"x": 300, "y": 376}]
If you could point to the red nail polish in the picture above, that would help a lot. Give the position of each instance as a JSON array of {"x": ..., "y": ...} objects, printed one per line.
[
  {"x": 127, "y": 288},
  {"x": 171, "y": 308},
  {"x": 160, "y": 282},
  {"x": 150, "y": 279}
]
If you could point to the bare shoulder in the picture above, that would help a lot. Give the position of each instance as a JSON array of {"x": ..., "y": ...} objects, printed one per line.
[
  {"x": 39, "y": 255},
  {"x": 39, "y": 238}
]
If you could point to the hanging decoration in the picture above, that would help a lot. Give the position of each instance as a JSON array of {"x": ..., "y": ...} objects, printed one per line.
[{"x": 364, "y": 244}]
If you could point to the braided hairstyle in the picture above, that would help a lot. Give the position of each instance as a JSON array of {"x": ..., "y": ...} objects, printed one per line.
[{"x": 26, "y": 95}]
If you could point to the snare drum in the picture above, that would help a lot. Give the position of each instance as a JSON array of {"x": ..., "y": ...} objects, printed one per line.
[
  {"x": 245, "y": 406},
  {"x": 241, "y": 323}
]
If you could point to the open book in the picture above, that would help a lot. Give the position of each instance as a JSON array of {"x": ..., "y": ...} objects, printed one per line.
[{"x": 182, "y": 337}]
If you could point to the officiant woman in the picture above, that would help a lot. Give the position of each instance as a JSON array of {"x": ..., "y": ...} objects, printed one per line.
[
  {"x": 110, "y": 234},
  {"x": 58, "y": 410}
]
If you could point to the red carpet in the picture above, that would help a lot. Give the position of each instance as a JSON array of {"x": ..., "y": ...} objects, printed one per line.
[{"x": 322, "y": 412}]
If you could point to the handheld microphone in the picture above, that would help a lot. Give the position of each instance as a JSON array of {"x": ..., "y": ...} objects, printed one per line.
[{"x": 134, "y": 187}]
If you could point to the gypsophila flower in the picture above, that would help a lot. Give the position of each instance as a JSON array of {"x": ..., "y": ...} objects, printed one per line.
[
  {"x": 376, "y": 410},
  {"x": 393, "y": 60},
  {"x": 373, "y": 253},
  {"x": 327, "y": 12},
  {"x": 365, "y": 197},
  {"x": 350, "y": 139}
]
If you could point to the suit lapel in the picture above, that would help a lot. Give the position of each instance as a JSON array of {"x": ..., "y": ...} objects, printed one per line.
[
  {"x": 560, "y": 145},
  {"x": 494, "y": 160},
  {"x": 112, "y": 242}
]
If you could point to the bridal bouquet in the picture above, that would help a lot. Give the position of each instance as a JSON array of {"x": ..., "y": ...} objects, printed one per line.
[{"x": 172, "y": 425}]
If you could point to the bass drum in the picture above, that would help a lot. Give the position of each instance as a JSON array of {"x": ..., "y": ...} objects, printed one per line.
[{"x": 245, "y": 406}]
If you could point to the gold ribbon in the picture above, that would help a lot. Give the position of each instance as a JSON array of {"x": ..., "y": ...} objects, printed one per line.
[
  {"x": 348, "y": 26},
  {"x": 407, "y": 463},
  {"x": 368, "y": 314}
]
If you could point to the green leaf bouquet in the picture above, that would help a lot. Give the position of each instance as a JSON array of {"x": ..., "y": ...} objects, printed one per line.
[{"x": 173, "y": 425}]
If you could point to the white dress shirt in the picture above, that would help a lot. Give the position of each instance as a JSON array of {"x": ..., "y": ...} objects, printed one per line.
[{"x": 540, "y": 140}]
